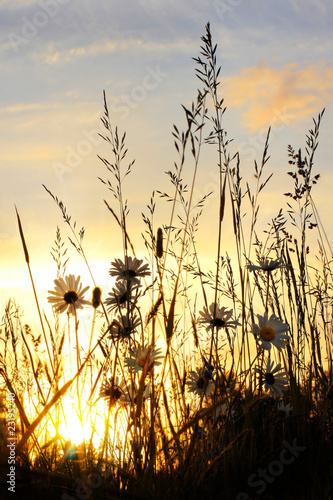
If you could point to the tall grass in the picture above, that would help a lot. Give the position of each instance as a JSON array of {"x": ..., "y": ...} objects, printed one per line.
[{"x": 193, "y": 380}]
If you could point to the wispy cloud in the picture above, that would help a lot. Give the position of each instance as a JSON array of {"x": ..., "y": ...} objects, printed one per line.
[
  {"x": 28, "y": 153},
  {"x": 71, "y": 109},
  {"x": 263, "y": 92},
  {"x": 310, "y": 6},
  {"x": 135, "y": 45},
  {"x": 34, "y": 106}
]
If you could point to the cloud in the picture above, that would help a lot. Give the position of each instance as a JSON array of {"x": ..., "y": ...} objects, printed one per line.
[
  {"x": 28, "y": 154},
  {"x": 80, "y": 27},
  {"x": 34, "y": 113},
  {"x": 133, "y": 45},
  {"x": 311, "y": 7},
  {"x": 264, "y": 93},
  {"x": 34, "y": 106}
]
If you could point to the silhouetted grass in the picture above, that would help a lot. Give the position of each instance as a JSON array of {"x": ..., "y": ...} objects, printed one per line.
[{"x": 194, "y": 383}]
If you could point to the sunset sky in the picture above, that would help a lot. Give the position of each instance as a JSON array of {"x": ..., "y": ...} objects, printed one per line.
[{"x": 57, "y": 56}]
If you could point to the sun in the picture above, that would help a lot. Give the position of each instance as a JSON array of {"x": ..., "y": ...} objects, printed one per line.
[
  {"x": 75, "y": 429},
  {"x": 78, "y": 427}
]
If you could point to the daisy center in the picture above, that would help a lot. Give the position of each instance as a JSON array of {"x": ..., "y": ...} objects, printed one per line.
[
  {"x": 123, "y": 298},
  {"x": 141, "y": 361},
  {"x": 267, "y": 333},
  {"x": 126, "y": 332},
  {"x": 71, "y": 297},
  {"x": 220, "y": 323},
  {"x": 201, "y": 383},
  {"x": 116, "y": 393},
  {"x": 130, "y": 273},
  {"x": 269, "y": 378}
]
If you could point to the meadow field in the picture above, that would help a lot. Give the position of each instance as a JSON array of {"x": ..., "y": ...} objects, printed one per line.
[{"x": 194, "y": 382}]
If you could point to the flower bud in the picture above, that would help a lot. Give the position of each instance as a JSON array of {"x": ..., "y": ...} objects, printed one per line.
[
  {"x": 96, "y": 297},
  {"x": 159, "y": 243}
]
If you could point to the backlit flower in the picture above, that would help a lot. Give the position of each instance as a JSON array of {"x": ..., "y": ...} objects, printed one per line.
[
  {"x": 199, "y": 384},
  {"x": 270, "y": 331},
  {"x": 220, "y": 319},
  {"x": 123, "y": 326},
  {"x": 284, "y": 408},
  {"x": 225, "y": 410},
  {"x": 112, "y": 394},
  {"x": 68, "y": 294},
  {"x": 131, "y": 392},
  {"x": 132, "y": 270},
  {"x": 275, "y": 380},
  {"x": 267, "y": 264},
  {"x": 143, "y": 357},
  {"x": 121, "y": 294}
]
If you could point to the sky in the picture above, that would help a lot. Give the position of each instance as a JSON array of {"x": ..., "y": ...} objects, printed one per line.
[{"x": 57, "y": 57}]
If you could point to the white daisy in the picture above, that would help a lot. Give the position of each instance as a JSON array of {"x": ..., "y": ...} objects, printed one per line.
[
  {"x": 123, "y": 326},
  {"x": 112, "y": 394},
  {"x": 270, "y": 331},
  {"x": 68, "y": 294},
  {"x": 275, "y": 380},
  {"x": 199, "y": 384},
  {"x": 227, "y": 410},
  {"x": 132, "y": 270},
  {"x": 221, "y": 318},
  {"x": 121, "y": 294},
  {"x": 143, "y": 356},
  {"x": 267, "y": 264},
  {"x": 130, "y": 393},
  {"x": 285, "y": 408}
]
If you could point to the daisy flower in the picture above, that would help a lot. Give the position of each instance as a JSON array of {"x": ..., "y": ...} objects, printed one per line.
[
  {"x": 141, "y": 356},
  {"x": 199, "y": 384},
  {"x": 221, "y": 319},
  {"x": 121, "y": 294},
  {"x": 132, "y": 270},
  {"x": 68, "y": 294},
  {"x": 123, "y": 326},
  {"x": 275, "y": 380},
  {"x": 270, "y": 331},
  {"x": 225, "y": 410},
  {"x": 285, "y": 408},
  {"x": 267, "y": 264},
  {"x": 112, "y": 395},
  {"x": 130, "y": 393}
]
